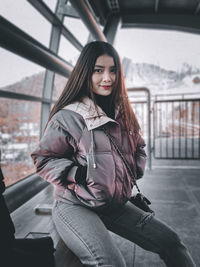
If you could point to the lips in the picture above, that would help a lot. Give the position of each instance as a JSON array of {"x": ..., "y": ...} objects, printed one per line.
[{"x": 106, "y": 87}]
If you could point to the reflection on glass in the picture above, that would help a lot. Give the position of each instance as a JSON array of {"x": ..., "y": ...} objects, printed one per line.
[
  {"x": 19, "y": 75},
  {"x": 19, "y": 134},
  {"x": 59, "y": 84}
]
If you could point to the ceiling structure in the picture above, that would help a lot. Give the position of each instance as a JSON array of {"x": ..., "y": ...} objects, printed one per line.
[{"x": 181, "y": 15}]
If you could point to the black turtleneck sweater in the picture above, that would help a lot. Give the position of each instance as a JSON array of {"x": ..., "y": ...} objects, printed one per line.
[{"x": 104, "y": 102}]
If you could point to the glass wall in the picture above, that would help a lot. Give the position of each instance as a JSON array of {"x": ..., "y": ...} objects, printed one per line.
[
  {"x": 67, "y": 51},
  {"x": 79, "y": 29},
  {"x": 20, "y": 119},
  {"x": 23, "y": 15},
  {"x": 59, "y": 84},
  {"x": 19, "y": 134},
  {"x": 20, "y": 75}
]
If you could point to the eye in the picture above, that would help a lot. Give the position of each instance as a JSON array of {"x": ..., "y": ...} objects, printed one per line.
[
  {"x": 98, "y": 70},
  {"x": 113, "y": 69}
]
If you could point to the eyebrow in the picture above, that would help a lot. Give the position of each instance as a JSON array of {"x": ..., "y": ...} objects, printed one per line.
[{"x": 100, "y": 66}]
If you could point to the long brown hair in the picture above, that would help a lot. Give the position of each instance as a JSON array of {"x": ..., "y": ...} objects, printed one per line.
[{"x": 80, "y": 83}]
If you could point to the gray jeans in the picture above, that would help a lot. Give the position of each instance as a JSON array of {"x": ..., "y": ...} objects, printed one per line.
[{"x": 85, "y": 232}]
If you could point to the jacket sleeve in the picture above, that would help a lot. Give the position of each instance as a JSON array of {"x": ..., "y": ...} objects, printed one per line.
[
  {"x": 53, "y": 158},
  {"x": 140, "y": 157}
]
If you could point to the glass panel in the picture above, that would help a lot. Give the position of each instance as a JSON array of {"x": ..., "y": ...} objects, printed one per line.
[
  {"x": 19, "y": 134},
  {"x": 67, "y": 51},
  {"x": 77, "y": 27},
  {"x": 28, "y": 79},
  {"x": 59, "y": 84},
  {"x": 27, "y": 18}
]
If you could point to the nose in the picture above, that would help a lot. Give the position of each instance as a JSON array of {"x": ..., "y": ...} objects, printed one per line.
[{"x": 106, "y": 76}]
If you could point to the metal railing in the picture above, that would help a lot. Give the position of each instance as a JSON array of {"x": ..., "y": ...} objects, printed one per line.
[
  {"x": 142, "y": 109},
  {"x": 176, "y": 129}
]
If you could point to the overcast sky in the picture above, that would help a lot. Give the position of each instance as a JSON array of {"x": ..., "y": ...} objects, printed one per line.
[{"x": 168, "y": 49}]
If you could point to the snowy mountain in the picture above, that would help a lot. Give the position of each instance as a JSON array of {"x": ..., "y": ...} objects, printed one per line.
[
  {"x": 33, "y": 85},
  {"x": 160, "y": 80}
]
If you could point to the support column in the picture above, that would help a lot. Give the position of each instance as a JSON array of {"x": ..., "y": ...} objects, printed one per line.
[
  {"x": 49, "y": 75},
  {"x": 111, "y": 27}
]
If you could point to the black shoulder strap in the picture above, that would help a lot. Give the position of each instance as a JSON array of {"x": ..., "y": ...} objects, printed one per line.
[{"x": 122, "y": 157}]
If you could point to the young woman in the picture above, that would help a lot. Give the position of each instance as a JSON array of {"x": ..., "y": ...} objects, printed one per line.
[{"x": 92, "y": 183}]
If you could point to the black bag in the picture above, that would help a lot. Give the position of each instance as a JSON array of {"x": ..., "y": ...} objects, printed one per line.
[
  {"x": 139, "y": 199},
  {"x": 141, "y": 202}
]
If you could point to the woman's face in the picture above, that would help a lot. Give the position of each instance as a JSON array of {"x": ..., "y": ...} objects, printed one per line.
[{"x": 104, "y": 75}]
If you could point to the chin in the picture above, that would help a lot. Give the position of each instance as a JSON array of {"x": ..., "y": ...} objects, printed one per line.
[{"x": 105, "y": 93}]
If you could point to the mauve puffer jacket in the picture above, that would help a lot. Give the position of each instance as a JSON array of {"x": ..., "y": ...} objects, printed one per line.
[{"x": 73, "y": 137}]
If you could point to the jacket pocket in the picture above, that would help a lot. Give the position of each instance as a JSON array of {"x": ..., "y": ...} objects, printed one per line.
[{"x": 100, "y": 181}]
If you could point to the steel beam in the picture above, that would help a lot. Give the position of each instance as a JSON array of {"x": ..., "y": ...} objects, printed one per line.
[
  {"x": 197, "y": 9},
  {"x": 178, "y": 22},
  {"x": 111, "y": 27},
  {"x": 88, "y": 19},
  {"x": 20, "y": 43},
  {"x": 98, "y": 8},
  {"x": 19, "y": 193},
  {"x": 53, "y": 19},
  {"x": 156, "y": 6},
  {"x": 18, "y": 96},
  {"x": 49, "y": 78},
  {"x": 68, "y": 11}
]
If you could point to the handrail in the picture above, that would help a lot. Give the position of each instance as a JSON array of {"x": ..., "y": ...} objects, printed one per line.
[{"x": 20, "y": 192}]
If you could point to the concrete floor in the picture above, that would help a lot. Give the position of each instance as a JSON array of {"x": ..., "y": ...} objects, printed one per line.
[{"x": 175, "y": 196}]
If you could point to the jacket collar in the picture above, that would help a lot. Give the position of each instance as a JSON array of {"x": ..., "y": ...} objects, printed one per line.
[{"x": 87, "y": 110}]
